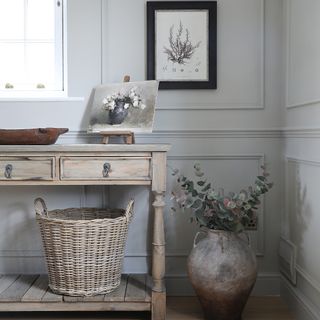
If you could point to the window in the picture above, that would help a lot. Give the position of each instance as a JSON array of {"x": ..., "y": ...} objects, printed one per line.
[{"x": 31, "y": 46}]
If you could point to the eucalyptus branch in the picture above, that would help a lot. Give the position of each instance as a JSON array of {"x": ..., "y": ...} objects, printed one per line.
[{"x": 212, "y": 208}]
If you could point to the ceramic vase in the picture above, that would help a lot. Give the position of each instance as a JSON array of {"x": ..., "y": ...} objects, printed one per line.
[
  {"x": 118, "y": 114},
  {"x": 223, "y": 269}
]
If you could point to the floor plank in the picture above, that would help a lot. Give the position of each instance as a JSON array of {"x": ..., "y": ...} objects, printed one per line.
[
  {"x": 34, "y": 288},
  {"x": 6, "y": 281},
  {"x": 149, "y": 284},
  {"x": 136, "y": 288},
  {"x": 37, "y": 290},
  {"x": 266, "y": 308},
  {"x": 119, "y": 293},
  {"x": 257, "y": 308},
  {"x": 72, "y": 299},
  {"x": 17, "y": 289},
  {"x": 49, "y": 296},
  {"x": 96, "y": 298}
]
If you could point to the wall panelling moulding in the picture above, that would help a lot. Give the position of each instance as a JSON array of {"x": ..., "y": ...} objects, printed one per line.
[{"x": 303, "y": 78}]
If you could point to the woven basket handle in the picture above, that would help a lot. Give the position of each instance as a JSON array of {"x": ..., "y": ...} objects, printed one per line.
[
  {"x": 40, "y": 207},
  {"x": 129, "y": 210}
]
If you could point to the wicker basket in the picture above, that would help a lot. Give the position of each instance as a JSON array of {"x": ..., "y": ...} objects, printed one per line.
[{"x": 84, "y": 247}]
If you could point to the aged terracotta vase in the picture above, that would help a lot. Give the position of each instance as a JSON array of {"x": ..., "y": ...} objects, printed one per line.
[{"x": 223, "y": 270}]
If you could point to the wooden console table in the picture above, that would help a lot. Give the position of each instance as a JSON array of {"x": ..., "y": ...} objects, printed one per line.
[{"x": 90, "y": 164}]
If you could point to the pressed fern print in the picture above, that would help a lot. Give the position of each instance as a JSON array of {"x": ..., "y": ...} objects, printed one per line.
[{"x": 180, "y": 49}]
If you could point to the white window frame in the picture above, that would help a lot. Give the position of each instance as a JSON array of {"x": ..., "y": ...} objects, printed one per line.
[{"x": 61, "y": 72}]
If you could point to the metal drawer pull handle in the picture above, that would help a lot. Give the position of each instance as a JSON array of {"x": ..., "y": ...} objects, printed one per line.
[
  {"x": 106, "y": 169},
  {"x": 8, "y": 171}
]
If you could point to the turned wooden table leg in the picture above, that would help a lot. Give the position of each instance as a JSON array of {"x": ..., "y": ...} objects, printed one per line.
[
  {"x": 158, "y": 261},
  {"x": 158, "y": 242}
]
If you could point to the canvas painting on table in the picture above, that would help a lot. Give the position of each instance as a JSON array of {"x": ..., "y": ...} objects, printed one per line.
[{"x": 128, "y": 106}]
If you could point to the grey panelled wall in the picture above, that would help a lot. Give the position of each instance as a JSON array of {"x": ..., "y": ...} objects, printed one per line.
[
  {"x": 229, "y": 130},
  {"x": 300, "y": 259}
]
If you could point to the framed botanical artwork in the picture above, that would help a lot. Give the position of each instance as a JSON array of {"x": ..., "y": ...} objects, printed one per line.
[{"x": 182, "y": 44}]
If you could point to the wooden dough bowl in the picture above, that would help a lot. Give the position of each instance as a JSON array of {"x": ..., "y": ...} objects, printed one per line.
[{"x": 31, "y": 136}]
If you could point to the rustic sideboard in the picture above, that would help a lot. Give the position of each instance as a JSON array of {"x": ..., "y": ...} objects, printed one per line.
[{"x": 90, "y": 164}]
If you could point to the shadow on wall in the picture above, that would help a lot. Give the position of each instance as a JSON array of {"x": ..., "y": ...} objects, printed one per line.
[
  {"x": 139, "y": 242},
  {"x": 18, "y": 225},
  {"x": 300, "y": 213},
  {"x": 86, "y": 115}
]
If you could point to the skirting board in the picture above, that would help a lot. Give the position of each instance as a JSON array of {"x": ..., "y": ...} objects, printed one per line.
[
  {"x": 301, "y": 307},
  {"x": 268, "y": 284}
]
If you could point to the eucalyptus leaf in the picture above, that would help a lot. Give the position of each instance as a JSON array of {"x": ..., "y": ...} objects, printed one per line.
[
  {"x": 232, "y": 213},
  {"x": 206, "y": 188},
  {"x": 197, "y": 204},
  {"x": 194, "y": 193}
]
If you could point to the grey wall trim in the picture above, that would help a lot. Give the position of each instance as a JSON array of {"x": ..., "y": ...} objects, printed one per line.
[
  {"x": 304, "y": 161},
  {"x": 267, "y": 284},
  {"x": 295, "y": 104},
  {"x": 301, "y": 132},
  {"x": 184, "y": 134},
  {"x": 204, "y": 134},
  {"x": 225, "y": 106},
  {"x": 288, "y": 259},
  {"x": 303, "y": 104},
  {"x": 301, "y": 306}
]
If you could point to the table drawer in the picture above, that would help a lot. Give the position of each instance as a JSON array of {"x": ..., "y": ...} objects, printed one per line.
[
  {"x": 104, "y": 168},
  {"x": 27, "y": 168}
]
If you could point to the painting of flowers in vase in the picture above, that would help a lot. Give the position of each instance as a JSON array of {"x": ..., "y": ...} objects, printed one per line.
[{"x": 126, "y": 106}]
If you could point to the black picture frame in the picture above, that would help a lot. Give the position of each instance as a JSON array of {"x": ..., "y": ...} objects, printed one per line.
[{"x": 211, "y": 7}]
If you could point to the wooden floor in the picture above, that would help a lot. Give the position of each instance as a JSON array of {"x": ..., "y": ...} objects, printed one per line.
[
  {"x": 184, "y": 308},
  {"x": 31, "y": 293},
  {"x": 258, "y": 308}
]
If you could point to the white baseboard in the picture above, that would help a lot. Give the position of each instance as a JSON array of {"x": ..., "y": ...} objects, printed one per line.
[
  {"x": 268, "y": 284},
  {"x": 300, "y": 305}
]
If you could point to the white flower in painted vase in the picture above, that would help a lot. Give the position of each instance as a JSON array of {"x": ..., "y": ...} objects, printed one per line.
[
  {"x": 136, "y": 103},
  {"x": 132, "y": 94},
  {"x": 111, "y": 105}
]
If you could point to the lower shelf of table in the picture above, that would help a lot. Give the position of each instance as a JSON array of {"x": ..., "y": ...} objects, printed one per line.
[{"x": 31, "y": 293}]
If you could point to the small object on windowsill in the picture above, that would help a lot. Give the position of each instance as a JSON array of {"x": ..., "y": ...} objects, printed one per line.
[
  {"x": 126, "y": 78},
  {"x": 39, "y": 136},
  {"x": 128, "y": 136},
  {"x": 9, "y": 86}
]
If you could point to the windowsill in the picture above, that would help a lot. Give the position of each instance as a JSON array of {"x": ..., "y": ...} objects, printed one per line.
[
  {"x": 39, "y": 99},
  {"x": 25, "y": 96}
]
